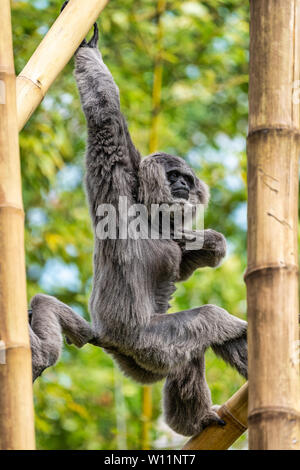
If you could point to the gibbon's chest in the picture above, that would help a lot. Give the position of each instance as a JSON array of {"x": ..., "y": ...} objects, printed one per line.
[
  {"x": 163, "y": 268},
  {"x": 163, "y": 258}
]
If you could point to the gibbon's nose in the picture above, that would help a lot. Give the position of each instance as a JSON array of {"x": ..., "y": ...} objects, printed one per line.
[{"x": 182, "y": 183}]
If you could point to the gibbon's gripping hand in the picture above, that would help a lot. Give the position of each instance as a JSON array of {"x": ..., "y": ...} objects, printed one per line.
[
  {"x": 64, "y": 5},
  {"x": 214, "y": 241},
  {"x": 94, "y": 40}
]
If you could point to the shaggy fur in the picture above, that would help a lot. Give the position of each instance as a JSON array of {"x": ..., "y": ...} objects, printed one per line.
[{"x": 134, "y": 279}]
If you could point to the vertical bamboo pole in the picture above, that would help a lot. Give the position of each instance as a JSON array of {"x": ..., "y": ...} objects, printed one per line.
[
  {"x": 146, "y": 416},
  {"x": 153, "y": 145},
  {"x": 272, "y": 274},
  {"x": 16, "y": 405}
]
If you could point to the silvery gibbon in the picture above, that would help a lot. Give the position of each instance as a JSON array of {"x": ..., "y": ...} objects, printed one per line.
[{"x": 134, "y": 278}]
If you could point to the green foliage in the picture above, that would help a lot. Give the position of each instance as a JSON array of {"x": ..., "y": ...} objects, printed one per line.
[{"x": 83, "y": 403}]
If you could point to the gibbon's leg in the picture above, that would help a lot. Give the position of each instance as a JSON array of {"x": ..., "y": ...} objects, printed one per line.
[
  {"x": 170, "y": 340},
  {"x": 49, "y": 319},
  {"x": 131, "y": 369},
  {"x": 235, "y": 353},
  {"x": 174, "y": 344},
  {"x": 187, "y": 400}
]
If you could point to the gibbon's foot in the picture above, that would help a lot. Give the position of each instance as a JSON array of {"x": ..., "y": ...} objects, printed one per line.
[
  {"x": 193, "y": 425},
  {"x": 93, "y": 42},
  {"x": 212, "y": 418},
  {"x": 216, "y": 408}
]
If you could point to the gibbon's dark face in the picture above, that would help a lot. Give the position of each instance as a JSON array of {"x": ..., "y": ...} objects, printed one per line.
[
  {"x": 167, "y": 178},
  {"x": 180, "y": 182},
  {"x": 179, "y": 175}
]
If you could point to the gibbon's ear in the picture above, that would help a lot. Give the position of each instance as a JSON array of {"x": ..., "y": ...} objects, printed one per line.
[
  {"x": 201, "y": 193},
  {"x": 154, "y": 187}
]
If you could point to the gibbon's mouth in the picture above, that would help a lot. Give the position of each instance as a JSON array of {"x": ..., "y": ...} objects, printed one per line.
[{"x": 181, "y": 194}]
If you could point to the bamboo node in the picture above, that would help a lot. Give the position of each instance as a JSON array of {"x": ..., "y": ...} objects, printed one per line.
[
  {"x": 8, "y": 346},
  {"x": 15, "y": 208},
  {"x": 281, "y": 129},
  {"x": 269, "y": 413},
  {"x": 5, "y": 348},
  {"x": 267, "y": 268},
  {"x": 7, "y": 69},
  {"x": 226, "y": 413},
  {"x": 36, "y": 82}
]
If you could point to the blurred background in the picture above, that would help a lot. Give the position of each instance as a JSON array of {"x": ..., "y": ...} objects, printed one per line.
[{"x": 182, "y": 70}]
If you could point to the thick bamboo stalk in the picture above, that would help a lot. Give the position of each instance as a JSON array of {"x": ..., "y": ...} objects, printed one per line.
[
  {"x": 234, "y": 413},
  {"x": 16, "y": 404},
  {"x": 53, "y": 54},
  {"x": 272, "y": 274}
]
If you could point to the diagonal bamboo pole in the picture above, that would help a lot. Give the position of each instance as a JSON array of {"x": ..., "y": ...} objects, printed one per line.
[
  {"x": 16, "y": 403},
  {"x": 53, "y": 53},
  {"x": 272, "y": 274}
]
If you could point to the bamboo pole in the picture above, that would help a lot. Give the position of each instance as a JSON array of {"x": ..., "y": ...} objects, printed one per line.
[
  {"x": 53, "y": 54},
  {"x": 234, "y": 413},
  {"x": 16, "y": 404},
  {"x": 146, "y": 416},
  {"x": 272, "y": 274}
]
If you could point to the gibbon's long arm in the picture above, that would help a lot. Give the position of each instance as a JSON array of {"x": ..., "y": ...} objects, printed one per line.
[{"x": 110, "y": 151}]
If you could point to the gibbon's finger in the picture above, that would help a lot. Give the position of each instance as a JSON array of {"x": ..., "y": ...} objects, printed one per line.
[
  {"x": 64, "y": 5},
  {"x": 94, "y": 40},
  {"x": 83, "y": 43}
]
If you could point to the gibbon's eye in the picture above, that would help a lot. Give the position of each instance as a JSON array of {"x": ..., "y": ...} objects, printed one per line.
[
  {"x": 173, "y": 175},
  {"x": 189, "y": 180}
]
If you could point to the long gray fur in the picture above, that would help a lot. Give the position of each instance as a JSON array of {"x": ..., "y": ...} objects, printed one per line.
[{"x": 134, "y": 279}]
